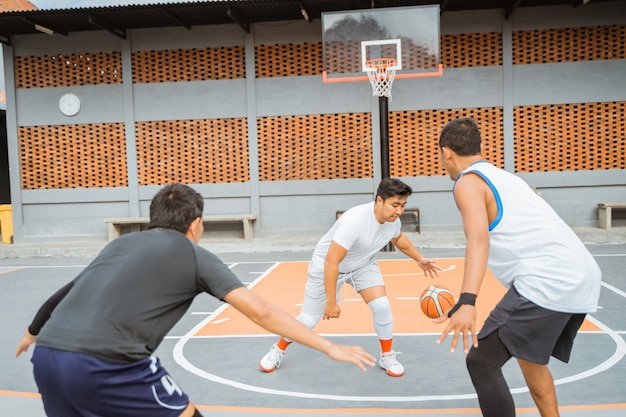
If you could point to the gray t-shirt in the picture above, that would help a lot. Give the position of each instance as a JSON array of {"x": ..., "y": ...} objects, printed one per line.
[{"x": 125, "y": 302}]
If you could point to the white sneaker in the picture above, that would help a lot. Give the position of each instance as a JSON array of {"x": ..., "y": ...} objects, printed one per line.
[
  {"x": 272, "y": 359},
  {"x": 390, "y": 364}
]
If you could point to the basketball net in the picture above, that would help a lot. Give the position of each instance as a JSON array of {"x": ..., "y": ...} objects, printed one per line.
[{"x": 381, "y": 72}]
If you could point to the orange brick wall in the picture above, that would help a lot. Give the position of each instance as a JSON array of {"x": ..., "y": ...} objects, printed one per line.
[
  {"x": 315, "y": 147},
  {"x": 73, "y": 156},
  {"x": 572, "y": 137},
  {"x": 65, "y": 70},
  {"x": 548, "y": 138},
  {"x": 414, "y": 137},
  {"x": 193, "y": 151}
]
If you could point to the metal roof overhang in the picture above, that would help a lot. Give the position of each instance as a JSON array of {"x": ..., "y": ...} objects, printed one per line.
[{"x": 118, "y": 19}]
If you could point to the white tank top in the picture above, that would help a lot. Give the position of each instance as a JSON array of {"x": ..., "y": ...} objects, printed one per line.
[
  {"x": 358, "y": 231},
  {"x": 532, "y": 248}
]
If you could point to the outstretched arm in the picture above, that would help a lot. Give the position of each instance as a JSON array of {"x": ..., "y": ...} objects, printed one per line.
[
  {"x": 41, "y": 318},
  {"x": 278, "y": 321},
  {"x": 336, "y": 253},
  {"x": 471, "y": 196},
  {"x": 403, "y": 243}
]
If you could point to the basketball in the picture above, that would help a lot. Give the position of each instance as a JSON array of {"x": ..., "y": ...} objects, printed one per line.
[{"x": 436, "y": 300}]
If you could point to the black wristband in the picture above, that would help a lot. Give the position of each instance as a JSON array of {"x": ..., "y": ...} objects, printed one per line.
[{"x": 465, "y": 298}]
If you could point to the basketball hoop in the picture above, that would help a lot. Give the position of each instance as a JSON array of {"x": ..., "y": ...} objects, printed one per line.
[{"x": 381, "y": 72}]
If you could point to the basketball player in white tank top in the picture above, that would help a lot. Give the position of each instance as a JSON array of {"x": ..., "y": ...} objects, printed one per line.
[{"x": 553, "y": 280}]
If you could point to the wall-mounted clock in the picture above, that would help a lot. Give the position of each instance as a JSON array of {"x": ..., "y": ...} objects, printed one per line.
[{"x": 69, "y": 104}]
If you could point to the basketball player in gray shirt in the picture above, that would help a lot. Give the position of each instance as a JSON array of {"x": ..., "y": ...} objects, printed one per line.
[{"x": 97, "y": 335}]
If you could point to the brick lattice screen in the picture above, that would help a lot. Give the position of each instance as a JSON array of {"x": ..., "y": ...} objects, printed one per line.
[
  {"x": 302, "y": 59},
  {"x": 193, "y": 151},
  {"x": 570, "y": 137},
  {"x": 68, "y": 70},
  {"x": 547, "y": 138},
  {"x": 315, "y": 147},
  {"x": 189, "y": 65},
  {"x": 73, "y": 156},
  {"x": 569, "y": 45},
  {"x": 414, "y": 139},
  {"x": 288, "y": 60},
  {"x": 471, "y": 50}
]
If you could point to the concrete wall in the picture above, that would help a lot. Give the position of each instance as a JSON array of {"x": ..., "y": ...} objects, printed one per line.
[{"x": 306, "y": 206}]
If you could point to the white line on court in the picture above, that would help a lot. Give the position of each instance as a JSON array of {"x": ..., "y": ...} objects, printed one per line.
[
  {"x": 614, "y": 289},
  {"x": 617, "y": 356},
  {"x": 450, "y": 268},
  {"x": 180, "y": 358},
  {"x": 44, "y": 266}
]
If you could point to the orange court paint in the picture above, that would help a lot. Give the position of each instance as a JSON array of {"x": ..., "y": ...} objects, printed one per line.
[{"x": 404, "y": 280}]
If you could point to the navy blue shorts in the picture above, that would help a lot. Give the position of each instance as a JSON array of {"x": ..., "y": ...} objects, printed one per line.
[{"x": 77, "y": 385}]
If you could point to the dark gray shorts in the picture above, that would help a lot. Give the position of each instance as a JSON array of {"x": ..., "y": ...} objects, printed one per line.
[{"x": 531, "y": 332}]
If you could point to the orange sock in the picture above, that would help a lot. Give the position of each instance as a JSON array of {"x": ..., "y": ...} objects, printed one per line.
[
  {"x": 385, "y": 345},
  {"x": 282, "y": 344}
]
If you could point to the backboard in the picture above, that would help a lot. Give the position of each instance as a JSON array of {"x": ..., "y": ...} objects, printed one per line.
[{"x": 409, "y": 35}]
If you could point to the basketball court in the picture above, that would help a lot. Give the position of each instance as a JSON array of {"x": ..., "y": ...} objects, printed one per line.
[{"x": 213, "y": 352}]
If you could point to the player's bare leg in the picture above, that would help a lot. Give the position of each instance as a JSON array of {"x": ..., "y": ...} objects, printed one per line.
[{"x": 541, "y": 385}]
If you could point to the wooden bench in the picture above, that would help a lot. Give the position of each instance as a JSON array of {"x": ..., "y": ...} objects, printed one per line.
[
  {"x": 135, "y": 223},
  {"x": 605, "y": 213}
]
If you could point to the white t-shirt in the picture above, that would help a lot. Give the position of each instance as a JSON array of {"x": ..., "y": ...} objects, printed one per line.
[
  {"x": 357, "y": 231},
  {"x": 532, "y": 248}
]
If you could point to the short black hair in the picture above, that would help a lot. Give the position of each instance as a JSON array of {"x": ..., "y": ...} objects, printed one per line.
[
  {"x": 174, "y": 207},
  {"x": 462, "y": 136},
  {"x": 391, "y": 187}
]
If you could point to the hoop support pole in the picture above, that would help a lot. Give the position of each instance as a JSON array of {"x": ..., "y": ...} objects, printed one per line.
[{"x": 383, "y": 117}]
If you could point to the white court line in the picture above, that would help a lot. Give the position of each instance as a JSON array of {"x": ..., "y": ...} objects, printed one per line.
[
  {"x": 614, "y": 289},
  {"x": 179, "y": 357},
  {"x": 617, "y": 356},
  {"x": 44, "y": 266},
  {"x": 600, "y": 255},
  {"x": 450, "y": 268}
]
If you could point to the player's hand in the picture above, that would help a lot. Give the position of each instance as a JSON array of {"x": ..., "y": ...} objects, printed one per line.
[
  {"x": 351, "y": 354},
  {"x": 26, "y": 341},
  {"x": 429, "y": 267},
  {"x": 331, "y": 311},
  {"x": 462, "y": 323}
]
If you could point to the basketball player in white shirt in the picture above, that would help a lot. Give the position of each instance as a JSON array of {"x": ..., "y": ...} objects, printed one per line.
[{"x": 347, "y": 254}]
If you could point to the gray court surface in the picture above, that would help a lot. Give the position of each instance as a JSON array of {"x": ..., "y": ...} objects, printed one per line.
[{"x": 222, "y": 377}]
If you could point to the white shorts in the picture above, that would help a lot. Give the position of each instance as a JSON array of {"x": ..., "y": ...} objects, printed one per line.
[{"x": 315, "y": 293}]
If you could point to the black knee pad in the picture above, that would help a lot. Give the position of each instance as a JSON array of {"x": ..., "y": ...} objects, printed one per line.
[
  {"x": 490, "y": 354},
  {"x": 474, "y": 360}
]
